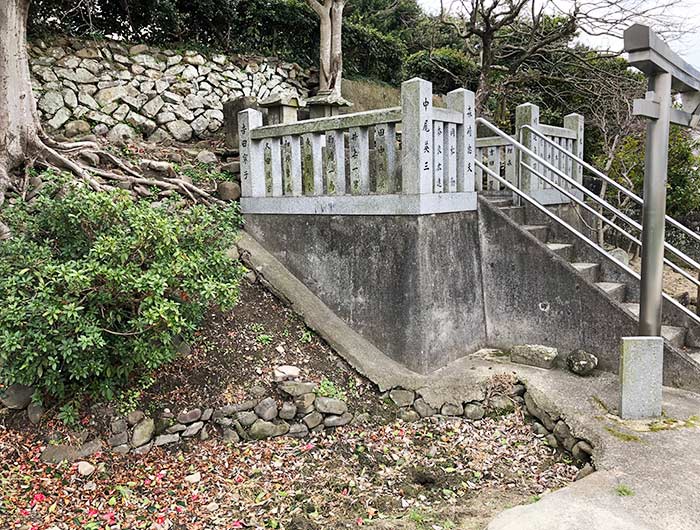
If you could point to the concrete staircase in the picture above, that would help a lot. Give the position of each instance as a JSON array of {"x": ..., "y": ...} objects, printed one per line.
[{"x": 590, "y": 266}]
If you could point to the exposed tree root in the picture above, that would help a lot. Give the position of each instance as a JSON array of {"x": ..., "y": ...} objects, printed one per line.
[{"x": 64, "y": 156}]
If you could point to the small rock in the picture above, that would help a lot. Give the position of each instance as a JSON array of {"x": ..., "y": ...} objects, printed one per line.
[
  {"x": 206, "y": 157},
  {"x": 85, "y": 468},
  {"x": 296, "y": 388},
  {"x": 194, "y": 478},
  {"x": 247, "y": 418},
  {"x": 231, "y": 436},
  {"x": 539, "y": 429},
  {"x": 178, "y": 427},
  {"x": 204, "y": 434},
  {"x": 121, "y": 449},
  {"x": 230, "y": 410},
  {"x": 551, "y": 441},
  {"x": 620, "y": 255},
  {"x": 330, "y": 406},
  {"x": 143, "y": 432},
  {"x": 452, "y": 409},
  {"x": 473, "y": 411},
  {"x": 76, "y": 128},
  {"x": 423, "y": 409},
  {"x": 584, "y": 472},
  {"x": 285, "y": 372},
  {"x": 313, "y": 419},
  {"x": 206, "y": 415},
  {"x": 180, "y": 130},
  {"x": 119, "y": 425},
  {"x": 193, "y": 429},
  {"x": 518, "y": 390},
  {"x": 266, "y": 409},
  {"x": 118, "y": 439},
  {"x": 228, "y": 191},
  {"x": 35, "y": 412},
  {"x": 402, "y": 398},
  {"x": 298, "y": 430},
  {"x": 538, "y": 413},
  {"x": 212, "y": 507},
  {"x": 501, "y": 404},
  {"x": 288, "y": 411},
  {"x": 344, "y": 419},
  {"x": 534, "y": 355},
  {"x": 305, "y": 403},
  {"x": 408, "y": 415},
  {"x": 120, "y": 134},
  {"x": 55, "y": 454},
  {"x": 165, "y": 439},
  {"x": 582, "y": 451},
  {"x": 189, "y": 416},
  {"x": 581, "y": 362},
  {"x": 264, "y": 429},
  {"x": 362, "y": 419},
  {"x": 17, "y": 396},
  {"x": 135, "y": 416}
]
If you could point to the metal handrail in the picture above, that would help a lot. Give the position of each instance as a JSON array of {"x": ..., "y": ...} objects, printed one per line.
[
  {"x": 578, "y": 234},
  {"x": 690, "y": 261},
  {"x": 600, "y": 216},
  {"x": 636, "y": 198}
]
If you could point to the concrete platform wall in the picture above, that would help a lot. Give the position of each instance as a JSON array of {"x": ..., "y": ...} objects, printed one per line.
[{"x": 411, "y": 285}]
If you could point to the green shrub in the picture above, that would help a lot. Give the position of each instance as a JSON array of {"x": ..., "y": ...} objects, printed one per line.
[
  {"x": 448, "y": 69},
  {"x": 95, "y": 287}
]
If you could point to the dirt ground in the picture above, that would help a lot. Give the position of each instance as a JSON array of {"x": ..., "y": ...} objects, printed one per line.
[
  {"x": 675, "y": 284},
  {"x": 437, "y": 473}
]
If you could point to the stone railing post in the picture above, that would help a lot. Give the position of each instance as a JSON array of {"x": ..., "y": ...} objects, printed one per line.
[
  {"x": 527, "y": 114},
  {"x": 575, "y": 122},
  {"x": 251, "y": 153},
  {"x": 462, "y": 101},
  {"x": 417, "y": 136}
]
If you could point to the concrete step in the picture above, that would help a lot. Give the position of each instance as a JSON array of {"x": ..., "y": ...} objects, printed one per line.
[
  {"x": 674, "y": 335},
  {"x": 500, "y": 202},
  {"x": 564, "y": 250},
  {"x": 516, "y": 213},
  {"x": 589, "y": 270},
  {"x": 616, "y": 290},
  {"x": 541, "y": 232},
  {"x": 632, "y": 308}
]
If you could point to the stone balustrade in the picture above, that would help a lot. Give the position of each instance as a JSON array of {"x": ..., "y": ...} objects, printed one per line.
[{"x": 408, "y": 160}]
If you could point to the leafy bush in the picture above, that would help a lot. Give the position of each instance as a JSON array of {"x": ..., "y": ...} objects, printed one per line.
[
  {"x": 97, "y": 287},
  {"x": 448, "y": 69}
]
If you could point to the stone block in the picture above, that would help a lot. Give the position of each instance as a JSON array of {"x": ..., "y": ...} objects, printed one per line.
[
  {"x": 534, "y": 355},
  {"x": 641, "y": 375}
]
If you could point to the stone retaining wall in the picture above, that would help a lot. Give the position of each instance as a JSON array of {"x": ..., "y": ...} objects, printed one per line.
[{"x": 108, "y": 87}]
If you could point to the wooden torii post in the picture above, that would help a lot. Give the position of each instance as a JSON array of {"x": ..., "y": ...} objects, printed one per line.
[{"x": 641, "y": 361}]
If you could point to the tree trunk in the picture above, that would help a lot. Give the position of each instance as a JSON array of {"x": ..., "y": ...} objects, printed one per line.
[
  {"x": 484, "y": 89},
  {"x": 335, "y": 80},
  {"x": 19, "y": 124},
  {"x": 325, "y": 49}
]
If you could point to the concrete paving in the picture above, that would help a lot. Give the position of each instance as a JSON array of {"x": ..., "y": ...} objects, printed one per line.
[{"x": 648, "y": 472}]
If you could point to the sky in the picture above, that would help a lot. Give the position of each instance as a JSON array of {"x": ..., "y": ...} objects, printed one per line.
[{"x": 688, "y": 46}]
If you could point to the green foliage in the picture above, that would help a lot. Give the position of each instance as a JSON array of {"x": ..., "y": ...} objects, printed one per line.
[
  {"x": 623, "y": 490},
  {"x": 284, "y": 28},
  {"x": 68, "y": 414},
  {"x": 95, "y": 286},
  {"x": 203, "y": 173},
  {"x": 448, "y": 69},
  {"x": 329, "y": 389},
  {"x": 683, "y": 196}
]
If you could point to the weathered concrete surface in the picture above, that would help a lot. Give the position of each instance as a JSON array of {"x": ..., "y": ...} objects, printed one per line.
[
  {"x": 657, "y": 462},
  {"x": 534, "y": 296},
  {"x": 411, "y": 291}
]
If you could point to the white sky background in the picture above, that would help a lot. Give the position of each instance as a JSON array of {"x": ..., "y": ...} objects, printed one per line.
[{"x": 688, "y": 46}]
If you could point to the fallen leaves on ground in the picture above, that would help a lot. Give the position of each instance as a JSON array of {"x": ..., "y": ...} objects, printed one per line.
[{"x": 348, "y": 477}]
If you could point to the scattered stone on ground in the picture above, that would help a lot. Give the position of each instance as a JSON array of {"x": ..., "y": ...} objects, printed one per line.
[
  {"x": 534, "y": 355},
  {"x": 581, "y": 362}
]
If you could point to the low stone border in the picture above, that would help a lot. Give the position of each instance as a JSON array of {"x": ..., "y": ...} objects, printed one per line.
[
  {"x": 296, "y": 412},
  {"x": 548, "y": 425}
]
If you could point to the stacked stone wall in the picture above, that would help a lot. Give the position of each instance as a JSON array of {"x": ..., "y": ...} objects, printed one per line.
[{"x": 108, "y": 87}]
